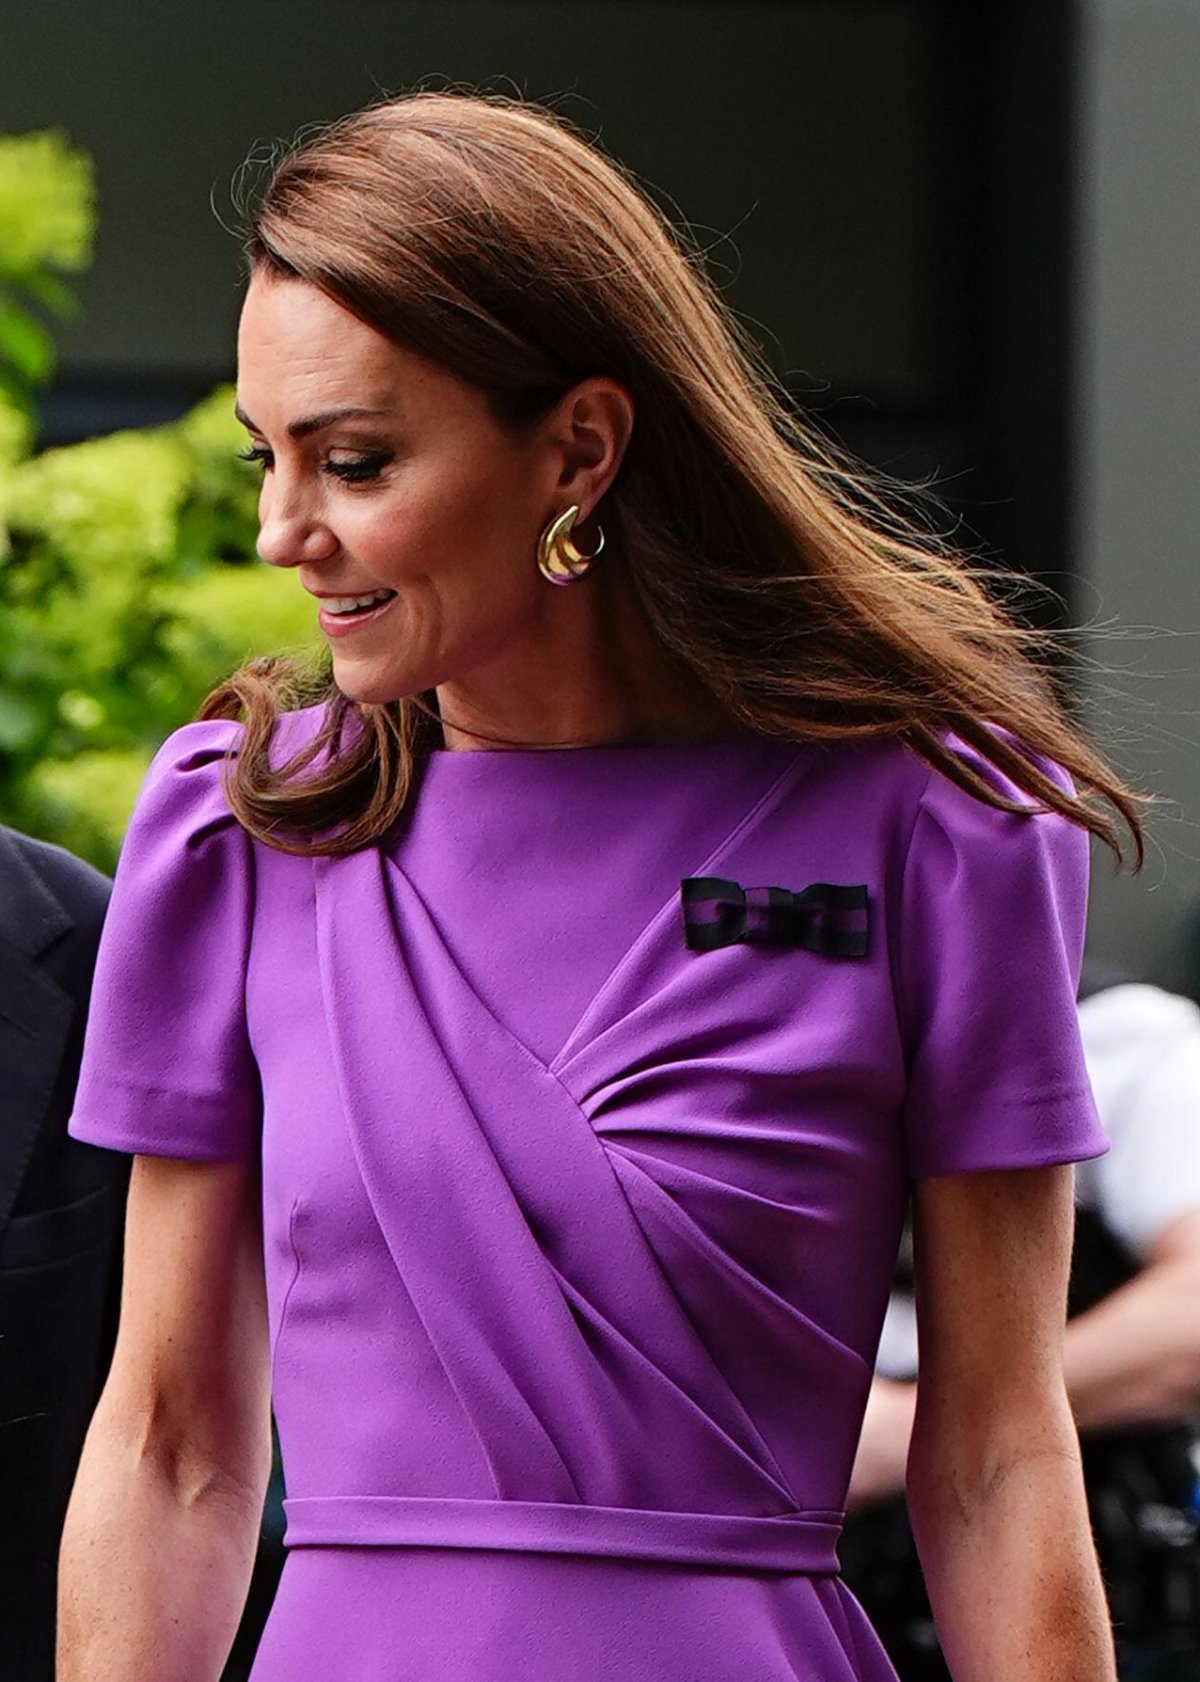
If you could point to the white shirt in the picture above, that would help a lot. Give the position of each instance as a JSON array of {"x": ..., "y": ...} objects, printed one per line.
[{"x": 1143, "y": 1055}]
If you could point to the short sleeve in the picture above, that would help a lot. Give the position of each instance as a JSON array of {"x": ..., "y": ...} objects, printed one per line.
[
  {"x": 991, "y": 933},
  {"x": 167, "y": 1067}
]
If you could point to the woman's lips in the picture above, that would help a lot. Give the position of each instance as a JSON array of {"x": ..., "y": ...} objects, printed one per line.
[{"x": 344, "y": 624}]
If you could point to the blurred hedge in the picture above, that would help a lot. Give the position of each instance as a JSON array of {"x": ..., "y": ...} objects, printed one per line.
[{"x": 128, "y": 580}]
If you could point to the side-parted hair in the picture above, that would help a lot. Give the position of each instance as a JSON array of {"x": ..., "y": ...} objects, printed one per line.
[{"x": 487, "y": 235}]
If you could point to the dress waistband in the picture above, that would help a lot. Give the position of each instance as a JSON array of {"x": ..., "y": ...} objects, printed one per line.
[{"x": 802, "y": 1542}]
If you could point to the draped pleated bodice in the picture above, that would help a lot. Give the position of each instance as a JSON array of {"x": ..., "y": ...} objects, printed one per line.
[
  {"x": 588, "y": 1106},
  {"x": 563, "y": 1212}
]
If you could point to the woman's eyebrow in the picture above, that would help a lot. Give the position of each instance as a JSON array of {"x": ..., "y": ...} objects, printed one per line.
[{"x": 311, "y": 423}]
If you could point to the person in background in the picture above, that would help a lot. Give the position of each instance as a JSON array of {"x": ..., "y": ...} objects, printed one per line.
[
  {"x": 62, "y": 1206},
  {"x": 1131, "y": 1353}
]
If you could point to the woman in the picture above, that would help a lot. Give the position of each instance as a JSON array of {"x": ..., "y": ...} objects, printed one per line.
[{"x": 588, "y": 1086}]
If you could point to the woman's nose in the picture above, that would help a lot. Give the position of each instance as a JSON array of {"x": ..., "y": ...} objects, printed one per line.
[{"x": 289, "y": 536}]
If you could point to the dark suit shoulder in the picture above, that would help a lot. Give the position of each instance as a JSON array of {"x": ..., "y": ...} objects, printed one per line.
[{"x": 80, "y": 888}]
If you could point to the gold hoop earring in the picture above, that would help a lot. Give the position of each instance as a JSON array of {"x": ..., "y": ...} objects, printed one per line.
[{"x": 558, "y": 558}]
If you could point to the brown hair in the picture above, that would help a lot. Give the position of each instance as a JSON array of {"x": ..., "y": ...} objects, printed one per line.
[{"x": 486, "y": 234}]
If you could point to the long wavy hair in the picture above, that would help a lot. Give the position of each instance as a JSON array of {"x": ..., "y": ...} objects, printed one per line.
[{"x": 805, "y": 596}]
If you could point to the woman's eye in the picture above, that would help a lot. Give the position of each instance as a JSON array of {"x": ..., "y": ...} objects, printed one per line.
[
  {"x": 368, "y": 466},
  {"x": 352, "y": 471}
]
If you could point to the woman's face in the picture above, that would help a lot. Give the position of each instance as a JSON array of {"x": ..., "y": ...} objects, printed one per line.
[{"x": 386, "y": 477}]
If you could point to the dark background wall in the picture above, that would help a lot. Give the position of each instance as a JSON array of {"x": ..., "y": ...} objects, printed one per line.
[{"x": 805, "y": 128}]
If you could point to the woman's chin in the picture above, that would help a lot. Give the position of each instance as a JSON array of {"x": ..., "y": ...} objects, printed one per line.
[{"x": 374, "y": 689}]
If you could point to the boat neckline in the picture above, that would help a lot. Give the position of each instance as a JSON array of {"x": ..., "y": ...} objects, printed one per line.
[{"x": 750, "y": 740}]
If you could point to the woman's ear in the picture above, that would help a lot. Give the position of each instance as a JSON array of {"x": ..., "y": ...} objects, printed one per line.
[{"x": 590, "y": 430}]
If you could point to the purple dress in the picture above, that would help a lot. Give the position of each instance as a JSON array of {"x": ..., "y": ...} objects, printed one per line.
[{"x": 579, "y": 1238}]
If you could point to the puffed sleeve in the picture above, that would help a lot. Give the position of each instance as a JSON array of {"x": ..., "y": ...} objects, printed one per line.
[
  {"x": 990, "y": 944},
  {"x": 167, "y": 1067}
]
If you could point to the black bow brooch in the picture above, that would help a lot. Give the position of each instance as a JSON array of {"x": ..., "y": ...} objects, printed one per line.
[{"x": 823, "y": 917}]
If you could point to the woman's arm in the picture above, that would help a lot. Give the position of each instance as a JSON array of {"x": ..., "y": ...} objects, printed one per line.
[
  {"x": 163, "y": 1521},
  {"x": 995, "y": 1489}
]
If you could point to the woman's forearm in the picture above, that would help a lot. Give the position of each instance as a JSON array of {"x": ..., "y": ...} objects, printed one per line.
[
  {"x": 1011, "y": 1567},
  {"x": 153, "y": 1569}
]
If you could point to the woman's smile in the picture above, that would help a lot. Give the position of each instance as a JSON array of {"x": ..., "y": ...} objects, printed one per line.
[{"x": 344, "y": 614}]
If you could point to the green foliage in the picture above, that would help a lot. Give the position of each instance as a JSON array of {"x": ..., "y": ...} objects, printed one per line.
[
  {"x": 47, "y": 206},
  {"x": 47, "y": 225},
  {"x": 128, "y": 591},
  {"x": 128, "y": 580},
  {"x": 84, "y": 803}
]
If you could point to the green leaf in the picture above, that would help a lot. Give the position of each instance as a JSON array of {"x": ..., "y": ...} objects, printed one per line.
[
  {"x": 52, "y": 293},
  {"x": 15, "y": 394},
  {"x": 25, "y": 344},
  {"x": 85, "y": 801},
  {"x": 16, "y": 435},
  {"x": 19, "y": 722},
  {"x": 47, "y": 204}
]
